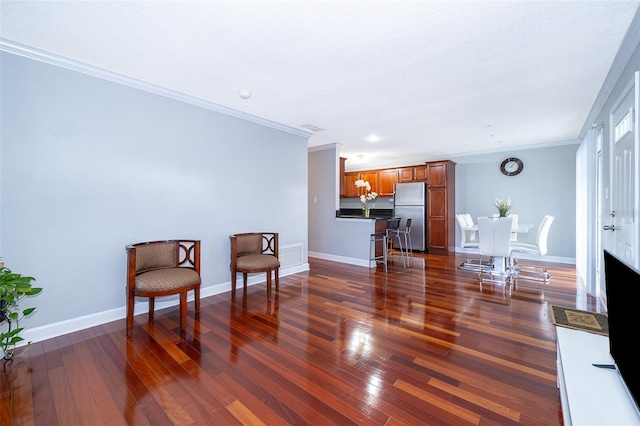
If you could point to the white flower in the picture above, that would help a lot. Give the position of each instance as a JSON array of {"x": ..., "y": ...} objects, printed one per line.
[
  {"x": 363, "y": 183},
  {"x": 368, "y": 195},
  {"x": 503, "y": 206}
]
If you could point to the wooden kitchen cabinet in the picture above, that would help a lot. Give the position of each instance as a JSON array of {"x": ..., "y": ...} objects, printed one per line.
[
  {"x": 441, "y": 206},
  {"x": 386, "y": 181},
  {"x": 412, "y": 174},
  {"x": 405, "y": 174},
  {"x": 370, "y": 176},
  {"x": 381, "y": 181},
  {"x": 420, "y": 173},
  {"x": 350, "y": 189}
]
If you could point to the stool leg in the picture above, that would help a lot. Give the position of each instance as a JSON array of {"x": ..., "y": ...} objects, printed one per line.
[
  {"x": 385, "y": 255},
  {"x": 408, "y": 244},
  {"x": 396, "y": 235},
  {"x": 373, "y": 241}
]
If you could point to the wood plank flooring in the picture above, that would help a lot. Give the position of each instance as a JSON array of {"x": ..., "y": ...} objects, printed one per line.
[{"x": 340, "y": 345}]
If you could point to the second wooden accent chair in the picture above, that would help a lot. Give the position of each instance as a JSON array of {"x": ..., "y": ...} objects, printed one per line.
[
  {"x": 254, "y": 252},
  {"x": 162, "y": 268}
]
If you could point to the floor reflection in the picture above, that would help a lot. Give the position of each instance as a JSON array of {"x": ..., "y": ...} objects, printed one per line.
[{"x": 256, "y": 314}]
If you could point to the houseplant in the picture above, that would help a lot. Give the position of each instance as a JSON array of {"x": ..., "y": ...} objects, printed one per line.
[
  {"x": 13, "y": 288},
  {"x": 367, "y": 196},
  {"x": 503, "y": 206}
]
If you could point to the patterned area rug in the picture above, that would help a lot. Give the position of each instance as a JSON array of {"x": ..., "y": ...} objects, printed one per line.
[{"x": 580, "y": 320}]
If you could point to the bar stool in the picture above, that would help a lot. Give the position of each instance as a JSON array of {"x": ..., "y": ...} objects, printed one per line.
[
  {"x": 380, "y": 237},
  {"x": 393, "y": 232},
  {"x": 408, "y": 244}
]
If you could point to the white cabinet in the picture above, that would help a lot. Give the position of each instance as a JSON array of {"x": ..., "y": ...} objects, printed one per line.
[{"x": 591, "y": 395}]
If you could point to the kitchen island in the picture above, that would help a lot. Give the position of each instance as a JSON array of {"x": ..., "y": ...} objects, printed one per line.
[{"x": 357, "y": 230}]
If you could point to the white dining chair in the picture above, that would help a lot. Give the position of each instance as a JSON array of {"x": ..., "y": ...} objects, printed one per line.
[
  {"x": 534, "y": 272},
  {"x": 494, "y": 236},
  {"x": 468, "y": 239},
  {"x": 514, "y": 226}
]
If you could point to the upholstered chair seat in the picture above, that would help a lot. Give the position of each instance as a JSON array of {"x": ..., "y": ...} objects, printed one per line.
[
  {"x": 257, "y": 261},
  {"x": 166, "y": 279}
]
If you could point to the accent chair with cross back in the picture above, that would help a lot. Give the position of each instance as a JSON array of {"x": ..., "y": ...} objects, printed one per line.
[
  {"x": 254, "y": 252},
  {"x": 162, "y": 268}
]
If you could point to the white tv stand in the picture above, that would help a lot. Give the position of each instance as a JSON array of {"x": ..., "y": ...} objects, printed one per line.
[{"x": 591, "y": 395}]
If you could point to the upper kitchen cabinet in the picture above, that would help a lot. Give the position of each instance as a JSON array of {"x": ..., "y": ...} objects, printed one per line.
[
  {"x": 412, "y": 174},
  {"x": 350, "y": 189},
  {"x": 438, "y": 173},
  {"x": 381, "y": 181},
  {"x": 370, "y": 176},
  {"x": 350, "y": 178},
  {"x": 386, "y": 180}
]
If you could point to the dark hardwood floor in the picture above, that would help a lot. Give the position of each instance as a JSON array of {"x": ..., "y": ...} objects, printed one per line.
[{"x": 340, "y": 345}]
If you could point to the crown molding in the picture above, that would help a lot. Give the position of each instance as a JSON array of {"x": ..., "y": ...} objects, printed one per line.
[
  {"x": 30, "y": 52},
  {"x": 334, "y": 145}
]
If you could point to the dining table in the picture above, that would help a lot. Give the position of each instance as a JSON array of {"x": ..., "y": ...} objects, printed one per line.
[
  {"x": 499, "y": 264},
  {"x": 521, "y": 228}
]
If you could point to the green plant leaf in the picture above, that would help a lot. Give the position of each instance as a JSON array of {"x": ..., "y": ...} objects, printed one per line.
[
  {"x": 28, "y": 311},
  {"x": 11, "y": 333}
]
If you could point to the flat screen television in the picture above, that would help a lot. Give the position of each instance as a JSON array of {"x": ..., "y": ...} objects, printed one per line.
[{"x": 623, "y": 299}]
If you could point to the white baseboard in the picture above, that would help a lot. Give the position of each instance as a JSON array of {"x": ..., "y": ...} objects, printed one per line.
[
  {"x": 341, "y": 259},
  {"x": 38, "y": 334}
]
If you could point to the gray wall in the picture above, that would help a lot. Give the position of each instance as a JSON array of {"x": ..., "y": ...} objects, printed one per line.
[
  {"x": 341, "y": 240},
  {"x": 89, "y": 165},
  {"x": 547, "y": 185}
]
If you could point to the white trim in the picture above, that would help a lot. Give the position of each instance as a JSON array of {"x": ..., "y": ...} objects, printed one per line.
[
  {"x": 38, "y": 334},
  {"x": 323, "y": 147},
  {"x": 341, "y": 259},
  {"x": 73, "y": 65}
]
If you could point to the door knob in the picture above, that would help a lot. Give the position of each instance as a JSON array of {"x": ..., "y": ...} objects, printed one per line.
[{"x": 609, "y": 227}]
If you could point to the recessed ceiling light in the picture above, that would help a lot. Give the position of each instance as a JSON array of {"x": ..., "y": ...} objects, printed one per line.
[
  {"x": 361, "y": 158},
  {"x": 373, "y": 138},
  {"x": 244, "y": 94}
]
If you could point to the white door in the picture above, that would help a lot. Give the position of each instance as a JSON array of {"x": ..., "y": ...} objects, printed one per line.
[
  {"x": 620, "y": 235},
  {"x": 600, "y": 288}
]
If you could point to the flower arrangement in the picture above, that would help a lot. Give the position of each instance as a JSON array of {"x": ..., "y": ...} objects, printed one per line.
[
  {"x": 367, "y": 196},
  {"x": 503, "y": 206}
]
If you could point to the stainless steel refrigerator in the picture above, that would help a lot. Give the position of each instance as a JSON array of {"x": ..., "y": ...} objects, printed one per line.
[{"x": 410, "y": 201}]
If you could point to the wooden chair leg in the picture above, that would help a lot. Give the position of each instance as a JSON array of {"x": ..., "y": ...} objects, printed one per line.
[
  {"x": 244, "y": 282},
  {"x": 268, "y": 285},
  {"x": 130, "y": 303},
  {"x": 183, "y": 310},
  {"x": 152, "y": 305},
  {"x": 196, "y": 298},
  {"x": 233, "y": 285},
  {"x": 277, "y": 280}
]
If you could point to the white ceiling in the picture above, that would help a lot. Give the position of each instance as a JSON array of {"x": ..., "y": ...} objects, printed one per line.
[{"x": 429, "y": 78}]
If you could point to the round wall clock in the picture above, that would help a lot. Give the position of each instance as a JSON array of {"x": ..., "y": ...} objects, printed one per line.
[{"x": 511, "y": 166}]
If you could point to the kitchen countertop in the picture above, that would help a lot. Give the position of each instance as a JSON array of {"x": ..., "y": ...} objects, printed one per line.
[
  {"x": 357, "y": 214},
  {"x": 372, "y": 217}
]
